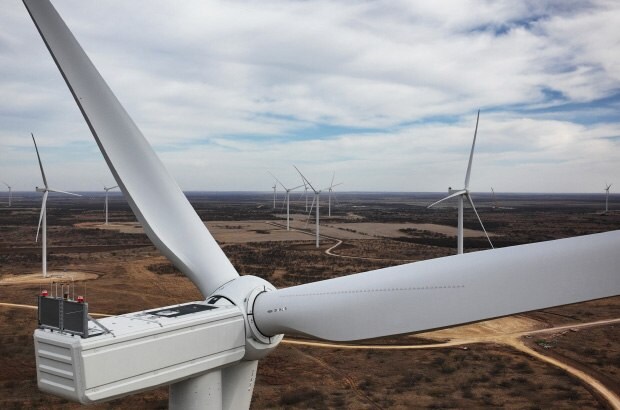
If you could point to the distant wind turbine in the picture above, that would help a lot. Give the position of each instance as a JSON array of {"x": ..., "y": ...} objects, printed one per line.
[
  {"x": 330, "y": 189},
  {"x": 106, "y": 189},
  {"x": 288, "y": 194},
  {"x": 494, "y": 201},
  {"x": 465, "y": 193},
  {"x": 10, "y": 193},
  {"x": 606, "y": 197},
  {"x": 274, "y": 195},
  {"x": 43, "y": 216},
  {"x": 315, "y": 199}
]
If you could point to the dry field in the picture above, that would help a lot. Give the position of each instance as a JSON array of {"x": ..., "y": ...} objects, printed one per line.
[{"x": 119, "y": 271}]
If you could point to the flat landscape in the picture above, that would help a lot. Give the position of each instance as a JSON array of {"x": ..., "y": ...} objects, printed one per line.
[{"x": 543, "y": 359}]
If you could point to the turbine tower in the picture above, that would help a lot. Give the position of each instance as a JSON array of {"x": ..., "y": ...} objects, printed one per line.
[
  {"x": 274, "y": 195},
  {"x": 331, "y": 189},
  {"x": 10, "y": 193},
  {"x": 106, "y": 189},
  {"x": 43, "y": 216},
  {"x": 288, "y": 194},
  {"x": 315, "y": 199},
  {"x": 606, "y": 197},
  {"x": 464, "y": 193},
  {"x": 243, "y": 318}
]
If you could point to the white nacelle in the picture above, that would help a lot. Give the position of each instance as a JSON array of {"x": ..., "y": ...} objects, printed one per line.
[{"x": 142, "y": 350}]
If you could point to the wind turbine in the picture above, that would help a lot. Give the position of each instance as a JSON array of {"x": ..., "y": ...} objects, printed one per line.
[
  {"x": 10, "y": 193},
  {"x": 315, "y": 199},
  {"x": 494, "y": 201},
  {"x": 288, "y": 193},
  {"x": 274, "y": 195},
  {"x": 43, "y": 216},
  {"x": 400, "y": 299},
  {"x": 464, "y": 193},
  {"x": 106, "y": 189},
  {"x": 607, "y": 197},
  {"x": 330, "y": 189}
]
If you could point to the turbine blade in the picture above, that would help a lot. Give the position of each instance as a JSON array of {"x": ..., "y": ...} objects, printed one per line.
[
  {"x": 43, "y": 205},
  {"x": 281, "y": 184},
  {"x": 452, "y": 195},
  {"x": 446, "y": 291},
  {"x": 331, "y": 184},
  {"x": 168, "y": 218},
  {"x": 62, "y": 192},
  {"x": 305, "y": 179},
  {"x": 238, "y": 384},
  {"x": 297, "y": 187},
  {"x": 471, "y": 154},
  {"x": 471, "y": 202},
  {"x": 310, "y": 212},
  {"x": 39, "y": 158}
]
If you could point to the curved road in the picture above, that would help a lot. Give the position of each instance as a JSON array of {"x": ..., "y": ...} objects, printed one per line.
[{"x": 338, "y": 243}]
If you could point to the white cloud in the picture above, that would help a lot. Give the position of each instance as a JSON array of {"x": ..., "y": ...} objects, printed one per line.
[{"x": 197, "y": 75}]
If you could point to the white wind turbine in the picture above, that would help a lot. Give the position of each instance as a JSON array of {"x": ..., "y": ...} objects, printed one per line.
[
  {"x": 288, "y": 194},
  {"x": 464, "y": 193},
  {"x": 107, "y": 189},
  {"x": 330, "y": 189},
  {"x": 10, "y": 193},
  {"x": 274, "y": 195},
  {"x": 400, "y": 299},
  {"x": 317, "y": 194},
  {"x": 606, "y": 197},
  {"x": 43, "y": 216}
]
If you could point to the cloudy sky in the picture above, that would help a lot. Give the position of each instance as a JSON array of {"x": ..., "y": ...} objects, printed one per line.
[{"x": 383, "y": 93}]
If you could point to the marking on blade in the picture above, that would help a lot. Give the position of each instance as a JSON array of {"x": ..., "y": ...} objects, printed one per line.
[{"x": 413, "y": 288}]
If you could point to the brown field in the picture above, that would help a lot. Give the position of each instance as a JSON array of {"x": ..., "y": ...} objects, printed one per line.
[{"x": 485, "y": 368}]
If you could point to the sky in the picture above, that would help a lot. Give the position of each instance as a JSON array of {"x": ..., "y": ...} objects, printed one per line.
[{"x": 383, "y": 93}]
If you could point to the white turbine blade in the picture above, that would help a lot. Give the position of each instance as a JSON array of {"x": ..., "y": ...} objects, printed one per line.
[
  {"x": 39, "y": 158},
  {"x": 115, "y": 186},
  {"x": 335, "y": 197},
  {"x": 43, "y": 205},
  {"x": 310, "y": 212},
  {"x": 297, "y": 187},
  {"x": 62, "y": 192},
  {"x": 277, "y": 180},
  {"x": 446, "y": 291},
  {"x": 471, "y": 202},
  {"x": 305, "y": 179},
  {"x": 331, "y": 184},
  {"x": 168, "y": 218},
  {"x": 7, "y": 185},
  {"x": 471, "y": 154},
  {"x": 452, "y": 195}
]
